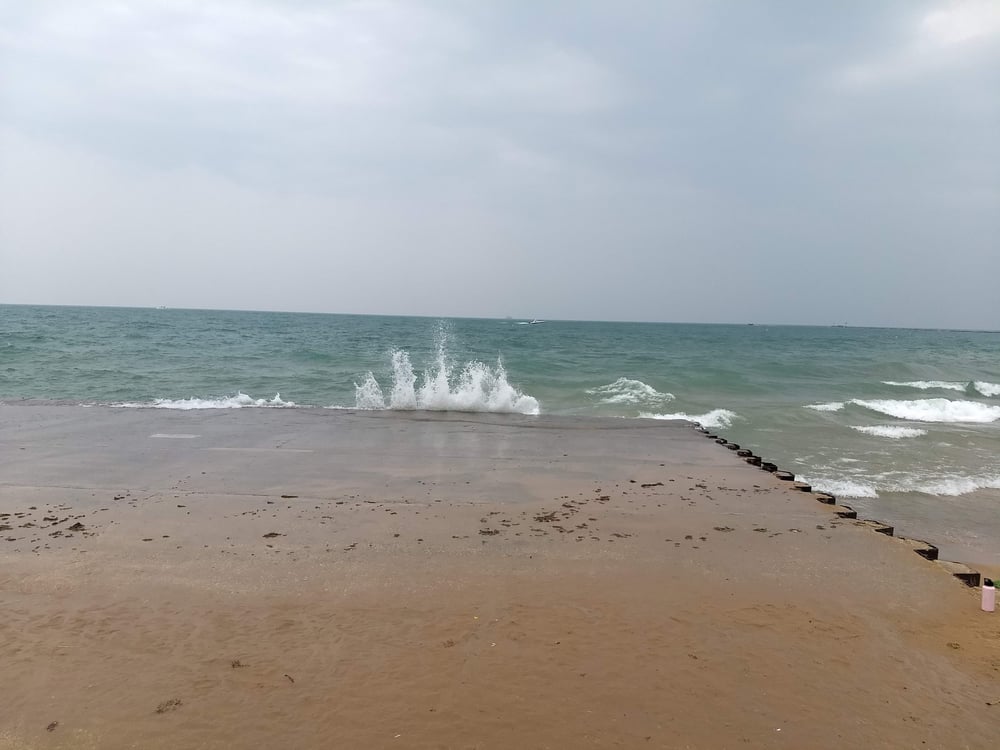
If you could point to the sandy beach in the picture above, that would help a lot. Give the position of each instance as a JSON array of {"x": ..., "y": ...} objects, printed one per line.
[{"x": 316, "y": 578}]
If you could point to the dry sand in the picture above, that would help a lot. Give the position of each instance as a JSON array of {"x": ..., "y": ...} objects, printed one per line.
[{"x": 315, "y": 579}]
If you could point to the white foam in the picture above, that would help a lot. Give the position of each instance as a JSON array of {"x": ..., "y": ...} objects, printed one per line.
[
  {"x": 890, "y": 431},
  {"x": 934, "y": 410},
  {"x": 714, "y": 419},
  {"x": 924, "y": 385},
  {"x": 832, "y": 406},
  {"x": 946, "y": 486},
  {"x": 842, "y": 487},
  {"x": 476, "y": 387},
  {"x": 951, "y": 486},
  {"x": 627, "y": 391},
  {"x": 239, "y": 401},
  {"x": 987, "y": 389}
]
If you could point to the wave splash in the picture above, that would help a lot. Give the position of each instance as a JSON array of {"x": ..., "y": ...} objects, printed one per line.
[
  {"x": 239, "y": 401},
  {"x": 628, "y": 391},
  {"x": 477, "y": 387}
]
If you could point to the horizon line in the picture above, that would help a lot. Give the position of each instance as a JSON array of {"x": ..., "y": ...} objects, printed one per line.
[{"x": 164, "y": 308}]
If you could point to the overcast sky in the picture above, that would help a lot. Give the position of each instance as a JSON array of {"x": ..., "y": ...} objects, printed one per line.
[{"x": 738, "y": 161}]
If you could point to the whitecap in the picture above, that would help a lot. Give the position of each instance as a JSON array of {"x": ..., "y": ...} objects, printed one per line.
[
  {"x": 832, "y": 406},
  {"x": 890, "y": 431},
  {"x": 933, "y": 410},
  {"x": 715, "y": 419},
  {"x": 987, "y": 389},
  {"x": 628, "y": 391},
  {"x": 924, "y": 385}
]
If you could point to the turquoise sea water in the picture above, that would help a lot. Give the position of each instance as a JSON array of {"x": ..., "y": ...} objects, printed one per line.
[{"x": 905, "y": 421}]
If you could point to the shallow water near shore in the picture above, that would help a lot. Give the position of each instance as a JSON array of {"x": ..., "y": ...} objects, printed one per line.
[{"x": 905, "y": 421}]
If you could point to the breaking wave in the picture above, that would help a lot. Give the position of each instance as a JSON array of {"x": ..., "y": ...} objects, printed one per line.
[
  {"x": 928, "y": 384},
  {"x": 476, "y": 387},
  {"x": 890, "y": 431},
  {"x": 832, "y": 406},
  {"x": 946, "y": 485},
  {"x": 715, "y": 419},
  {"x": 987, "y": 389},
  {"x": 934, "y": 410},
  {"x": 950, "y": 486},
  {"x": 982, "y": 386},
  {"x": 627, "y": 391},
  {"x": 239, "y": 401}
]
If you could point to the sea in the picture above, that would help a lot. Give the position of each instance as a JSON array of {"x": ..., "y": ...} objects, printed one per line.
[{"x": 902, "y": 424}]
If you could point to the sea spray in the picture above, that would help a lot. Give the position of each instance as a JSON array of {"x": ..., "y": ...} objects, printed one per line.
[
  {"x": 368, "y": 395},
  {"x": 404, "y": 395},
  {"x": 475, "y": 387}
]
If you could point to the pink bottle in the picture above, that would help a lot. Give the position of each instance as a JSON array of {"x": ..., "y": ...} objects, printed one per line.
[{"x": 989, "y": 595}]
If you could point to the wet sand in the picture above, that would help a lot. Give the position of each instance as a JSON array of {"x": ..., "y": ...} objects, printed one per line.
[
  {"x": 308, "y": 578},
  {"x": 965, "y": 527}
]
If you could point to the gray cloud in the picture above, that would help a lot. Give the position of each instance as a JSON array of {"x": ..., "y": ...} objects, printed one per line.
[{"x": 662, "y": 161}]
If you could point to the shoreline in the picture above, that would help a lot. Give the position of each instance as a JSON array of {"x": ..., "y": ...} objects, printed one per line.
[
  {"x": 292, "y": 578},
  {"x": 961, "y": 541},
  {"x": 926, "y": 549}
]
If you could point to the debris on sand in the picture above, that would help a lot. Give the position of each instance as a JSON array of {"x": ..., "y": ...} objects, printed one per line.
[{"x": 171, "y": 705}]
